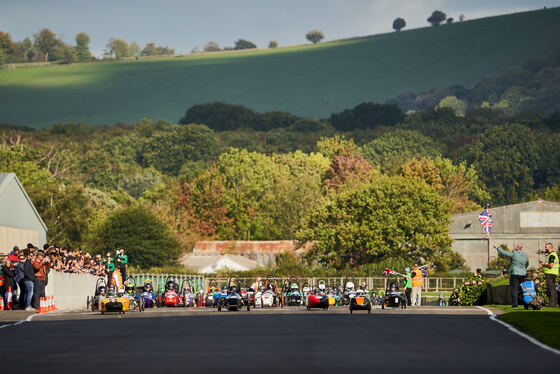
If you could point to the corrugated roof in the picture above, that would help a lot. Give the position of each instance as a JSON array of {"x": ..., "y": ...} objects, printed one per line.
[{"x": 5, "y": 179}]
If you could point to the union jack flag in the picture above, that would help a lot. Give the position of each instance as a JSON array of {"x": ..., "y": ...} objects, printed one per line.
[
  {"x": 485, "y": 219},
  {"x": 424, "y": 270},
  {"x": 389, "y": 271}
]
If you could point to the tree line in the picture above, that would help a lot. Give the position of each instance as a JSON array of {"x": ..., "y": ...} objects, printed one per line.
[
  {"x": 331, "y": 181},
  {"x": 46, "y": 46}
]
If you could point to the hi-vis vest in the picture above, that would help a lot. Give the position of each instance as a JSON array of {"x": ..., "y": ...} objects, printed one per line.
[
  {"x": 416, "y": 278},
  {"x": 529, "y": 292},
  {"x": 554, "y": 270}
]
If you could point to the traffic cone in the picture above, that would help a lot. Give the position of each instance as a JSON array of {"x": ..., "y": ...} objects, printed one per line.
[
  {"x": 41, "y": 305},
  {"x": 48, "y": 303},
  {"x": 53, "y": 305},
  {"x": 1, "y": 303},
  {"x": 10, "y": 302}
]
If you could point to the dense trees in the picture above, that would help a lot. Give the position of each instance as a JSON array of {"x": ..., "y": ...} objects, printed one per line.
[
  {"x": 392, "y": 217},
  {"x": 45, "y": 42},
  {"x": 314, "y": 36},
  {"x": 367, "y": 115},
  {"x": 287, "y": 177},
  {"x": 399, "y": 24}
]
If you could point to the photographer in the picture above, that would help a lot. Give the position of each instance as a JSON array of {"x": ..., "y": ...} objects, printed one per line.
[
  {"x": 40, "y": 265},
  {"x": 551, "y": 270}
]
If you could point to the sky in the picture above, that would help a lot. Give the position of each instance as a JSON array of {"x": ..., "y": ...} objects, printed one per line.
[{"x": 186, "y": 24}]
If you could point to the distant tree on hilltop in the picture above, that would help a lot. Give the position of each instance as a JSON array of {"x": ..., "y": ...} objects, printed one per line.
[
  {"x": 117, "y": 48},
  {"x": 273, "y": 44},
  {"x": 461, "y": 17},
  {"x": 450, "y": 20},
  {"x": 45, "y": 42},
  {"x": 82, "y": 47},
  {"x": 244, "y": 44},
  {"x": 437, "y": 18},
  {"x": 211, "y": 47},
  {"x": 399, "y": 24},
  {"x": 315, "y": 36}
]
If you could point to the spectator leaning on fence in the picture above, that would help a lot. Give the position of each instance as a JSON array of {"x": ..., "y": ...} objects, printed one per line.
[
  {"x": 551, "y": 267},
  {"x": 517, "y": 270},
  {"x": 408, "y": 286}
]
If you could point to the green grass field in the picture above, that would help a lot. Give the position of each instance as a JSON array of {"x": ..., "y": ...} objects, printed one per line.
[
  {"x": 542, "y": 324},
  {"x": 313, "y": 80}
]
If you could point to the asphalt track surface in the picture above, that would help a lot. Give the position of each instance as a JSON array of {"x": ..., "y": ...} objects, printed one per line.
[{"x": 292, "y": 340}]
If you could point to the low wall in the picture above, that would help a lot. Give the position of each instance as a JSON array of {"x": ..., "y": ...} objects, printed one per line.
[
  {"x": 499, "y": 295},
  {"x": 70, "y": 290}
]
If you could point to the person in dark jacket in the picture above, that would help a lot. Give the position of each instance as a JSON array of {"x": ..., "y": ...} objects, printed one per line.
[
  {"x": 9, "y": 284},
  {"x": 28, "y": 280},
  {"x": 20, "y": 280}
]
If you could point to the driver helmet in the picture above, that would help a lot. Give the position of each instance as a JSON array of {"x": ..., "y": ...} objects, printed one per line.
[
  {"x": 306, "y": 289},
  {"x": 148, "y": 287},
  {"x": 261, "y": 288},
  {"x": 224, "y": 289},
  {"x": 322, "y": 287},
  {"x": 350, "y": 286},
  {"x": 234, "y": 288},
  {"x": 393, "y": 286},
  {"x": 111, "y": 290},
  {"x": 101, "y": 291},
  {"x": 294, "y": 287},
  {"x": 170, "y": 285}
]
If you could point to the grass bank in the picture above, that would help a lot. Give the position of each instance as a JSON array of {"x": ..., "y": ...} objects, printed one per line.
[
  {"x": 543, "y": 324},
  {"x": 310, "y": 80}
]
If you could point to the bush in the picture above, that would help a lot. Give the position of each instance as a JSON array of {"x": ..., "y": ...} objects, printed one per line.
[
  {"x": 469, "y": 293},
  {"x": 145, "y": 237}
]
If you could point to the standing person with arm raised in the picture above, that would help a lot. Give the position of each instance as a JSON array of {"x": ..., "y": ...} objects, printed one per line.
[
  {"x": 551, "y": 267},
  {"x": 123, "y": 260},
  {"x": 109, "y": 264},
  {"x": 517, "y": 270}
]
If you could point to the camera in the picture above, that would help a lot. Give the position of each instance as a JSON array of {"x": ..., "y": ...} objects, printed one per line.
[{"x": 542, "y": 252}]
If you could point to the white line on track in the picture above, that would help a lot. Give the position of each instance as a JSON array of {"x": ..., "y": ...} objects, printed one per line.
[
  {"x": 28, "y": 319},
  {"x": 494, "y": 318}
]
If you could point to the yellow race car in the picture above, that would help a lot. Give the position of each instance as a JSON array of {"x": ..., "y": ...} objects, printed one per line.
[{"x": 113, "y": 303}]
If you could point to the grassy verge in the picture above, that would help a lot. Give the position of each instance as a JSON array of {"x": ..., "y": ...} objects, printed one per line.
[{"x": 543, "y": 324}]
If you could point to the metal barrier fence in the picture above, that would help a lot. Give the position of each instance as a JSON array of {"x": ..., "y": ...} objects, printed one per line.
[
  {"x": 372, "y": 283},
  {"x": 159, "y": 280}
]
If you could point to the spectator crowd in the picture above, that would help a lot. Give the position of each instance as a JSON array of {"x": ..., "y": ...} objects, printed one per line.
[{"x": 24, "y": 272}]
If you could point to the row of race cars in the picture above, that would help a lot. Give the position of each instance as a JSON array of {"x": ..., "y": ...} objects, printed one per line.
[{"x": 127, "y": 296}]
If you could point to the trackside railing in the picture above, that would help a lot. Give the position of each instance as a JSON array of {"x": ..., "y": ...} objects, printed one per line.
[{"x": 430, "y": 284}]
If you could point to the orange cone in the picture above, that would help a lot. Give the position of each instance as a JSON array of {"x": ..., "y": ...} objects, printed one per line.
[
  {"x": 53, "y": 306},
  {"x": 1, "y": 303},
  {"x": 41, "y": 305},
  {"x": 10, "y": 302}
]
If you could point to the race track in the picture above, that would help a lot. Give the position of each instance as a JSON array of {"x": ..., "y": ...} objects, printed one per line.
[{"x": 292, "y": 340}]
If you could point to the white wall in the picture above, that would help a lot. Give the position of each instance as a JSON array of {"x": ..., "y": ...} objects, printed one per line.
[{"x": 70, "y": 291}]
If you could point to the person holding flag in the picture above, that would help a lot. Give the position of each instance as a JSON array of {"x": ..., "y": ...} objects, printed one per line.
[
  {"x": 551, "y": 267},
  {"x": 408, "y": 286},
  {"x": 417, "y": 285}
]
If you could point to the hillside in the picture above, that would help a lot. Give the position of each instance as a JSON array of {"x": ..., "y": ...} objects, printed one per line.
[{"x": 313, "y": 80}]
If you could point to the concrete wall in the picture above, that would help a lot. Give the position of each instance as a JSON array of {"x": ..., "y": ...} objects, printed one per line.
[{"x": 70, "y": 290}]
